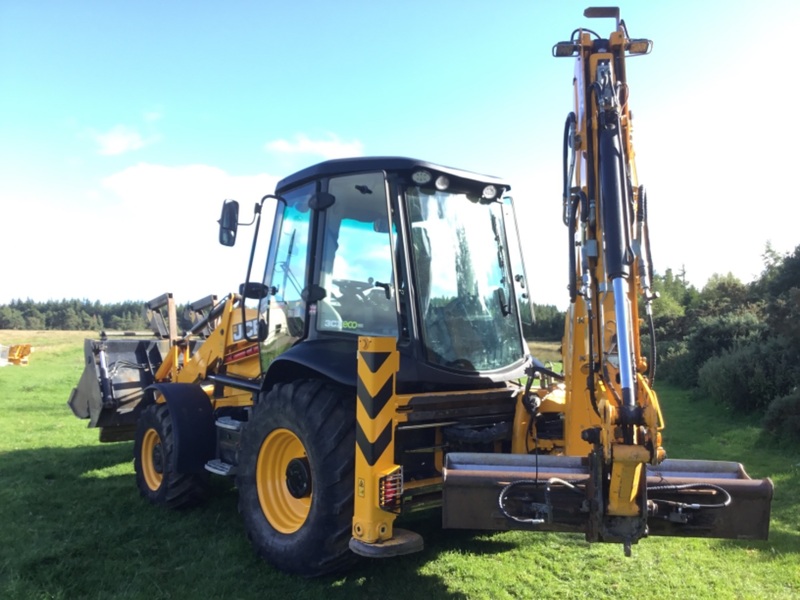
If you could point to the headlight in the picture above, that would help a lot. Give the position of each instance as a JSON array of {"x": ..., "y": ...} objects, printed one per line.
[{"x": 421, "y": 176}]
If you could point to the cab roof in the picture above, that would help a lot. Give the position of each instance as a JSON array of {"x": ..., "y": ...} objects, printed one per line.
[{"x": 342, "y": 166}]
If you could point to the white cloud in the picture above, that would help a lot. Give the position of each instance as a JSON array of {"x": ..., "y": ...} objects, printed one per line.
[
  {"x": 715, "y": 196},
  {"x": 168, "y": 217},
  {"x": 120, "y": 139},
  {"x": 124, "y": 138},
  {"x": 152, "y": 116},
  {"x": 143, "y": 231},
  {"x": 332, "y": 147},
  {"x": 150, "y": 184}
]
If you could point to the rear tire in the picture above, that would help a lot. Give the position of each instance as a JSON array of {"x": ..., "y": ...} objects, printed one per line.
[
  {"x": 296, "y": 477},
  {"x": 154, "y": 460}
]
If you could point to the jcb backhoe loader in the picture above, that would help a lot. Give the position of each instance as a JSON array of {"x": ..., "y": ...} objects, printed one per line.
[{"x": 373, "y": 362}]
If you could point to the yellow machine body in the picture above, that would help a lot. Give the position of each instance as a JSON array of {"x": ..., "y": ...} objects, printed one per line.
[{"x": 376, "y": 365}]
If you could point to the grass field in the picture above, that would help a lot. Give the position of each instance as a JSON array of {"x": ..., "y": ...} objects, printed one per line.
[{"x": 72, "y": 524}]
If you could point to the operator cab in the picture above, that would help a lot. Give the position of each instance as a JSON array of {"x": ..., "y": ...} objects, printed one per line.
[{"x": 395, "y": 247}]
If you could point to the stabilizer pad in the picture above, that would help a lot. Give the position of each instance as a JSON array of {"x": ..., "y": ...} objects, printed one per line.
[{"x": 402, "y": 542}]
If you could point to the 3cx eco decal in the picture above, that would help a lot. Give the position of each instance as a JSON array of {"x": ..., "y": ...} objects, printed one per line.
[{"x": 335, "y": 324}]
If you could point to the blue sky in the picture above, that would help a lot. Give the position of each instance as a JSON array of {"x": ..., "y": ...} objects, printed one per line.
[{"x": 123, "y": 126}]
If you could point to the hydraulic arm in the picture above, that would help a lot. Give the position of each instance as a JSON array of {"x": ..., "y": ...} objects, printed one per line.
[
  {"x": 603, "y": 204},
  {"x": 591, "y": 458}
]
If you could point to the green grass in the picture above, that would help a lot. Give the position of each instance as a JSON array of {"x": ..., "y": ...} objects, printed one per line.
[{"x": 72, "y": 524}]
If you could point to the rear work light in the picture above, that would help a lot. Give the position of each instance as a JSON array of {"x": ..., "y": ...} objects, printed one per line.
[
  {"x": 635, "y": 47},
  {"x": 563, "y": 49},
  {"x": 390, "y": 490}
]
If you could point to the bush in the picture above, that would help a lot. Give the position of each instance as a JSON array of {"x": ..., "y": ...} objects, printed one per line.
[
  {"x": 673, "y": 362},
  {"x": 783, "y": 418},
  {"x": 716, "y": 335},
  {"x": 747, "y": 378}
]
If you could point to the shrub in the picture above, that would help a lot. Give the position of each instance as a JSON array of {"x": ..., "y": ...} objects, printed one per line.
[
  {"x": 715, "y": 335},
  {"x": 748, "y": 377},
  {"x": 673, "y": 362},
  {"x": 783, "y": 418}
]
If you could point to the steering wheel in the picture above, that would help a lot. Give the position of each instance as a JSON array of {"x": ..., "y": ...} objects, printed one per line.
[{"x": 351, "y": 287}]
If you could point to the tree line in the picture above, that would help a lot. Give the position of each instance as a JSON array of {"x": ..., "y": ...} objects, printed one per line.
[
  {"x": 73, "y": 315},
  {"x": 732, "y": 343},
  {"x": 736, "y": 344},
  {"x": 86, "y": 315}
]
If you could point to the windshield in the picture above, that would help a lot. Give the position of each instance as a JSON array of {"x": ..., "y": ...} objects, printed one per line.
[{"x": 468, "y": 317}]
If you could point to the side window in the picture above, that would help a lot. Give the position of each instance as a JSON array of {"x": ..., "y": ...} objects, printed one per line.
[
  {"x": 287, "y": 308},
  {"x": 356, "y": 269},
  {"x": 517, "y": 265}
]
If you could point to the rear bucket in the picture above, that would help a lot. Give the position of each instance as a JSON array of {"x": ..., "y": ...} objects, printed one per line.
[
  {"x": 685, "y": 498},
  {"x": 692, "y": 482}
]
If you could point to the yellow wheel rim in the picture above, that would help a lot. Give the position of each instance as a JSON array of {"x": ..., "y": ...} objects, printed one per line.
[
  {"x": 152, "y": 460},
  {"x": 284, "y": 511}
]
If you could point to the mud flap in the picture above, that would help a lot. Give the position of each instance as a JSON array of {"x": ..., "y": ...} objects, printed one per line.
[
  {"x": 685, "y": 498},
  {"x": 193, "y": 425}
]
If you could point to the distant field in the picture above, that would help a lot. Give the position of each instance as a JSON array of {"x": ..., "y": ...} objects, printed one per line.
[
  {"x": 546, "y": 351},
  {"x": 72, "y": 524}
]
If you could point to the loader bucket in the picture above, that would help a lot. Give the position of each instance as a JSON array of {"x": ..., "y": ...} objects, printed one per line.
[
  {"x": 685, "y": 498},
  {"x": 116, "y": 373}
]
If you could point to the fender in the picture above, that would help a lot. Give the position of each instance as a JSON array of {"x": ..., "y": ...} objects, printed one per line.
[
  {"x": 193, "y": 425},
  {"x": 331, "y": 358}
]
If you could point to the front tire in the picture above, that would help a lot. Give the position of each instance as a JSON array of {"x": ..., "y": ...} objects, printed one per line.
[
  {"x": 154, "y": 459},
  {"x": 296, "y": 477}
]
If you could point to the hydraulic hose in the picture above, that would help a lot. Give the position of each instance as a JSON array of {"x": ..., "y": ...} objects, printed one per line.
[
  {"x": 726, "y": 497},
  {"x": 568, "y": 169},
  {"x": 651, "y": 363},
  {"x": 572, "y": 226},
  {"x": 646, "y": 275}
]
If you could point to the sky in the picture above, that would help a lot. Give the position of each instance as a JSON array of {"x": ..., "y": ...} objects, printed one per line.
[{"x": 124, "y": 125}]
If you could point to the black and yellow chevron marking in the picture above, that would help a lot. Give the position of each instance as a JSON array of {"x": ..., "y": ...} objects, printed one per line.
[
  {"x": 372, "y": 451},
  {"x": 377, "y": 365},
  {"x": 375, "y": 404},
  {"x": 376, "y": 417}
]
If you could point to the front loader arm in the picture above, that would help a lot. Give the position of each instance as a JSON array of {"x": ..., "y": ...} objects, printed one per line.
[
  {"x": 181, "y": 365},
  {"x": 226, "y": 346}
]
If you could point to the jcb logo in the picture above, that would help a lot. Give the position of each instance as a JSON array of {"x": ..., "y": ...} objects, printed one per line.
[{"x": 251, "y": 328}]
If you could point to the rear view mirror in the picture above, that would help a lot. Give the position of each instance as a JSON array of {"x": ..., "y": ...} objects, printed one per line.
[{"x": 228, "y": 222}]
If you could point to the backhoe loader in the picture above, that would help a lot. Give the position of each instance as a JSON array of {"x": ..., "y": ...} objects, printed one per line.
[{"x": 373, "y": 363}]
